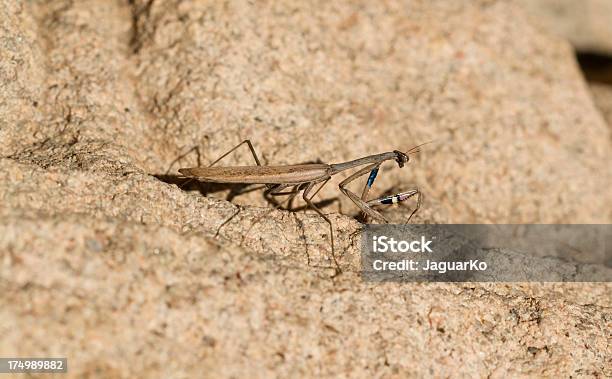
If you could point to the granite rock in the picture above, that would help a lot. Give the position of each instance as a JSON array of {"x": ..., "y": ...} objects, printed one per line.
[{"x": 105, "y": 259}]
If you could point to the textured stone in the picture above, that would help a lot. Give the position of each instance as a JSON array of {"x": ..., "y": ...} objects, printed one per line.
[
  {"x": 586, "y": 23},
  {"x": 602, "y": 95},
  {"x": 105, "y": 260}
]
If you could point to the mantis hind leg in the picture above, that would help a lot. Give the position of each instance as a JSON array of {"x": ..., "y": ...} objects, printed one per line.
[
  {"x": 308, "y": 201},
  {"x": 277, "y": 190},
  {"x": 253, "y": 152},
  {"x": 248, "y": 142},
  {"x": 274, "y": 190},
  {"x": 197, "y": 151}
]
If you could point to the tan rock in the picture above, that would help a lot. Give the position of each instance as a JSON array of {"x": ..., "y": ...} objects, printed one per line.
[
  {"x": 602, "y": 96},
  {"x": 105, "y": 260},
  {"x": 587, "y": 24}
]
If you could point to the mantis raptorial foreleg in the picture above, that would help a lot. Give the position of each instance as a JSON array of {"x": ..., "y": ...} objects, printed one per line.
[
  {"x": 366, "y": 206},
  {"x": 366, "y": 187},
  {"x": 358, "y": 201},
  {"x": 392, "y": 199}
]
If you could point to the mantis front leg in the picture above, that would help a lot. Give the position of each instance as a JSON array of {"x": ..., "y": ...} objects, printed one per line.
[
  {"x": 365, "y": 208},
  {"x": 393, "y": 199},
  {"x": 367, "y": 186}
]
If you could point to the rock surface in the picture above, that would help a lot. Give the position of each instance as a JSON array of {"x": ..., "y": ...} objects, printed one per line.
[
  {"x": 602, "y": 96},
  {"x": 105, "y": 260},
  {"x": 587, "y": 24}
]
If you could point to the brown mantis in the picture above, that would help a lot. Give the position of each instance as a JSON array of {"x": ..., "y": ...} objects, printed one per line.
[{"x": 304, "y": 177}]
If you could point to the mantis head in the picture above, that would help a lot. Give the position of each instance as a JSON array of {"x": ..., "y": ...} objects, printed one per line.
[{"x": 401, "y": 158}]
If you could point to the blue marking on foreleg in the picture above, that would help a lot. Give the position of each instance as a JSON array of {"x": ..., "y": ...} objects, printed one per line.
[{"x": 372, "y": 177}]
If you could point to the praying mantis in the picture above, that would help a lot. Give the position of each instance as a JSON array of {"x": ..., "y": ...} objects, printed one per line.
[{"x": 304, "y": 177}]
